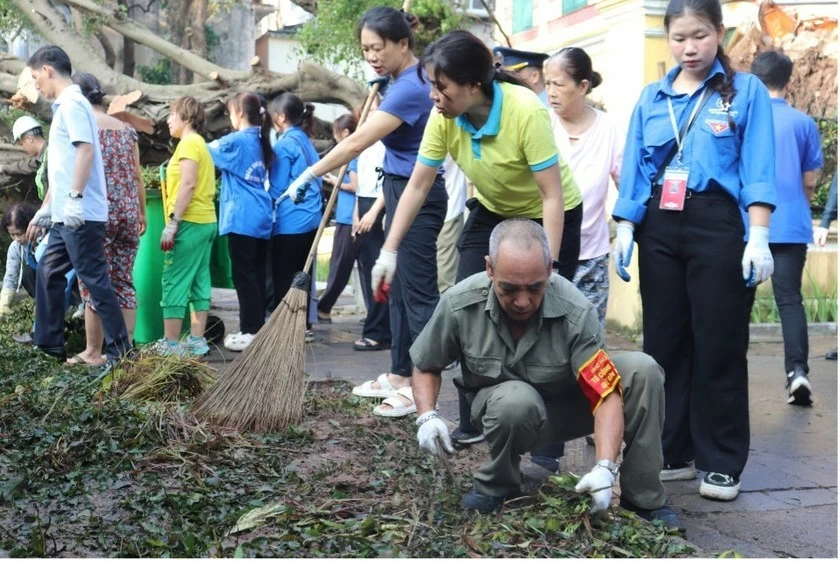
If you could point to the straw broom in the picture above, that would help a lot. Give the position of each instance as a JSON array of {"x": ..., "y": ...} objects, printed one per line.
[{"x": 262, "y": 390}]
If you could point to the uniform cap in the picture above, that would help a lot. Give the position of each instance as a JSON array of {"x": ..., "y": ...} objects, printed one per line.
[
  {"x": 23, "y": 125},
  {"x": 513, "y": 60}
]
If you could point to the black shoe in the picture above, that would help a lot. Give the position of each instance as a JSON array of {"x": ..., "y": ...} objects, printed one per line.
[
  {"x": 831, "y": 355},
  {"x": 466, "y": 438},
  {"x": 24, "y": 339},
  {"x": 56, "y": 352},
  {"x": 664, "y": 514},
  {"x": 798, "y": 387},
  {"x": 548, "y": 463},
  {"x": 481, "y": 502}
]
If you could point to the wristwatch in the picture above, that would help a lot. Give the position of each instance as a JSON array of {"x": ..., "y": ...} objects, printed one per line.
[
  {"x": 609, "y": 465},
  {"x": 75, "y": 194},
  {"x": 173, "y": 217}
]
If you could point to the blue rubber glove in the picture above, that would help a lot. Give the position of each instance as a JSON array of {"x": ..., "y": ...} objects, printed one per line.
[{"x": 623, "y": 249}]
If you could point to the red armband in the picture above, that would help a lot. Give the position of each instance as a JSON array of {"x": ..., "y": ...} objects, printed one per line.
[{"x": 597, "y": 378}]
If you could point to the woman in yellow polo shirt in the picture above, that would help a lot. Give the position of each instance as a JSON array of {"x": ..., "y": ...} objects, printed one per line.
[
  {"x": 187, "y": 239},
  {"x": 499, "y": 133}
]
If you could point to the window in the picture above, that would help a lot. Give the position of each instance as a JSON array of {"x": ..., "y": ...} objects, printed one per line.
[
  {"x": 476, "y": 8},
  {"x": 523, "y": 11},
  {"x": 572, "y": 5}
]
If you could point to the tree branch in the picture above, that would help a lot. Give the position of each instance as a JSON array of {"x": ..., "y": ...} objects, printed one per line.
[
  {"x": 492, "y": 15},
  {"x": 145, "y": 10}
]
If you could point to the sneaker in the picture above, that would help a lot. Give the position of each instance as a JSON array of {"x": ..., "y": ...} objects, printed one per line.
[
  {"x": 166, "y": 348},
  {"x": 461, "y": 437},
  {"x": 481, "y": 502},
  {"x": 799, "y": 388},
  {"x": 717, "y": 486},
  {"x": 196, "y": 346},
  {"x": 664, "y": 514},
  {"x": 230, "y": 337},
  {"x": 831, "y": 355},
  {"x": 309, "y": 336},
  {"x": 678, "y": 471},
  {"x": 239, "y": 342},
  {"x": 548, "y": 463}
]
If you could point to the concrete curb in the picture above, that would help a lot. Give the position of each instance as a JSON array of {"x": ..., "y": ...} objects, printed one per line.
[{"x": 774, "y": 331}]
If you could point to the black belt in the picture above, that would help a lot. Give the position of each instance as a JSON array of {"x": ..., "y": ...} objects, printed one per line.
[{"x": 692, "y": 194}]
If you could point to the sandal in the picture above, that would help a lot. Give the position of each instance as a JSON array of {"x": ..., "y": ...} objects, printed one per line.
[
  {"x": 398, "y": 408},
  {"x": 367, "y": 344},
  {"x": 79, "y": 360},
  {"x": 385, "y": 390},
  {"x": 324, "y": 318}
]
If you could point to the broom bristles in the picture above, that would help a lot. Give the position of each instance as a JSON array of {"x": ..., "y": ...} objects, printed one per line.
[{"x": 262, "y": 390}]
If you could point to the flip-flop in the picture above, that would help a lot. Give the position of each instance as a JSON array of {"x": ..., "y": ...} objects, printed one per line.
[
  {"x": 367, "y": 344},
  {"x": 385, "y": 390},
  {"x": 397, "y": 409},
  {"x": 79, "y": 360}
]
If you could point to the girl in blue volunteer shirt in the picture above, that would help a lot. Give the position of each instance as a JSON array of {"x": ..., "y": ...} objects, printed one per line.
[
  {"x": 245, "y": 209},
  {"x": 699, "y": 146},
  {"x": 295, "y": 224},
  {"x": 345, "y": 249},
  {"x": 387, "y": 43}
]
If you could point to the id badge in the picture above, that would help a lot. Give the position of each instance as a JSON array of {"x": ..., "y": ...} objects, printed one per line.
[{"x": 674, "y": 186}]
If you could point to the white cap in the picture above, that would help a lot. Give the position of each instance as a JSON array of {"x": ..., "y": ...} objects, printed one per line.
[{"x": 23, "y": 125}]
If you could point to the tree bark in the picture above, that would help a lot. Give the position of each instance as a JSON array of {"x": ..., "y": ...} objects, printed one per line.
[{"x": 128, "y": 57}]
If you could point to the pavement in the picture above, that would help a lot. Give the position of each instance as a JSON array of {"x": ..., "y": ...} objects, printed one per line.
[{"x": 788, "y": 501}]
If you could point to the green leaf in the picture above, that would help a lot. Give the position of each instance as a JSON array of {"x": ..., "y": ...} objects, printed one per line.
[{"x": 257, "y": 517}]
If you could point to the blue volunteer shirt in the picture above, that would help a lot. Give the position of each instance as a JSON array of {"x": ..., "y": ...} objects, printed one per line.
[
  {"x": 346, "y": 200},
  {"x": 73, "y": 122},
  {"x": 798, "y": 150},
  {"x": 293, "y": 153},
  {"x": 741, "y": 162},
  {"x": 244, "y": 203},
  {"x": 407, "y": 98}
]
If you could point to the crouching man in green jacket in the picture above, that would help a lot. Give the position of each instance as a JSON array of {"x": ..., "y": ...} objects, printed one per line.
[{"x": 535, "y": 372}]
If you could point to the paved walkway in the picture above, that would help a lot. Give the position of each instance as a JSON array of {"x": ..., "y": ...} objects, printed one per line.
[{"x": 788, "y": 501}]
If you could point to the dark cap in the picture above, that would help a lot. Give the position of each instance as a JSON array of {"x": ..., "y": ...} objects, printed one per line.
[{"x": 514, "y": 60}]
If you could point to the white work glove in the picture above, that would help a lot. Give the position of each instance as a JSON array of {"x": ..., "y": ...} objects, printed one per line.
[
  {"x": 382, "y": 274},
  {"x": 757, "y": 263},
  {"x": 6, "y": 296},
  {"x": 431, "y": 429},
  {"x": 623, "y": 249},
  {"x": 598, "y": 482},
  {"x": 820, "y": 236},
  {"x": 74, "y": 214},
  {"x": 167, "y": 237},
  {"x": 42, "y": 218},
  {"x": 297, "y": 189}
]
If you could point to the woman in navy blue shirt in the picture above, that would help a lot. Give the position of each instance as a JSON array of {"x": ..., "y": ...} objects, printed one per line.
[
  {"x": 694, "y": 269},
  {"x": 387, "y": 43},
  {"x": 244, "y": 157}
]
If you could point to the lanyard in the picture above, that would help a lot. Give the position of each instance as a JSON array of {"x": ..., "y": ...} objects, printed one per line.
[{"x": 690, "y": 119}]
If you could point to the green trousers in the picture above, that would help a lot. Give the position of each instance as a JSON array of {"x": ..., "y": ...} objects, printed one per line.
[
  {"x": 186, "y": 270},
  {"x": 515, "y": 419}
]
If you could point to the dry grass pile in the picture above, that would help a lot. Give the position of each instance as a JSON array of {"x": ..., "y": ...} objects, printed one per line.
[{"x": 151, "y": 377}]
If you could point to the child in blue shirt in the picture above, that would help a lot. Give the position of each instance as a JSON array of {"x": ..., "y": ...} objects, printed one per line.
[
  {"x": 345, "y": 251},
  {"x": 694, "y": 269},
  {"x": 245, "y": 209}
]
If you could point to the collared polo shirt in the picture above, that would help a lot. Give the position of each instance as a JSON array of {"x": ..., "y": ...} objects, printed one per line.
[
  {"x": 73, "y": 122},
  {"x": 562, "y": 349},
  {"x": 501, "y": 157},
  {"x": 740, "y": 162}
]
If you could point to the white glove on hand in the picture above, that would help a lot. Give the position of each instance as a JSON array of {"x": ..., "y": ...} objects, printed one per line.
[
  {"x": 6, "y": 297},
  {"x": 167, "y": 237},
  {"x": 598, "y": 482},
  {"x": 42, "y": 218},
  {"x": 297, "y": 189},
  {"x": 74, "y": 214},
  {"x": 757, "y": 263},
  {"x": 623, "y": 249},
  {"x": 384, "y": 268},
  {"x": 820, "y": 236},
  {"x": 431, "y": 429}
]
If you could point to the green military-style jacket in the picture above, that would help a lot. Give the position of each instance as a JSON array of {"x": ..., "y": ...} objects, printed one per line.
[{"x": 562, "y": 349}]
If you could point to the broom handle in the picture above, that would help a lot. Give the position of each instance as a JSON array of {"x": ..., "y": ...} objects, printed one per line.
[{"x": 313, "y": 251}]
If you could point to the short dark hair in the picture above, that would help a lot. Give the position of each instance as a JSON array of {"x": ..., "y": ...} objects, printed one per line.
[
  {"x": 190, "y": 111},
  {"x": 389, "y": 23},
  {"x": 19, "y": 215},
  {"x": 53, "y": 56},
  {"x": 773, "y": 68}
]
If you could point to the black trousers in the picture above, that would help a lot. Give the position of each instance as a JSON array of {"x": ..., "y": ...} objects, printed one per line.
[
  {"x": 345, "y": 252},
  {"x": 247, "y": 258},
  {"x": 693, "y": 309},
  {"x": 377, "y": 323},
  {"x": 474, "y": 245},
  {"x": 288, "y": 256},
  {"x": 788, "y": 264},
  {"x": 81, "y": 249},
  {"x": 414, "y": 291}
]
